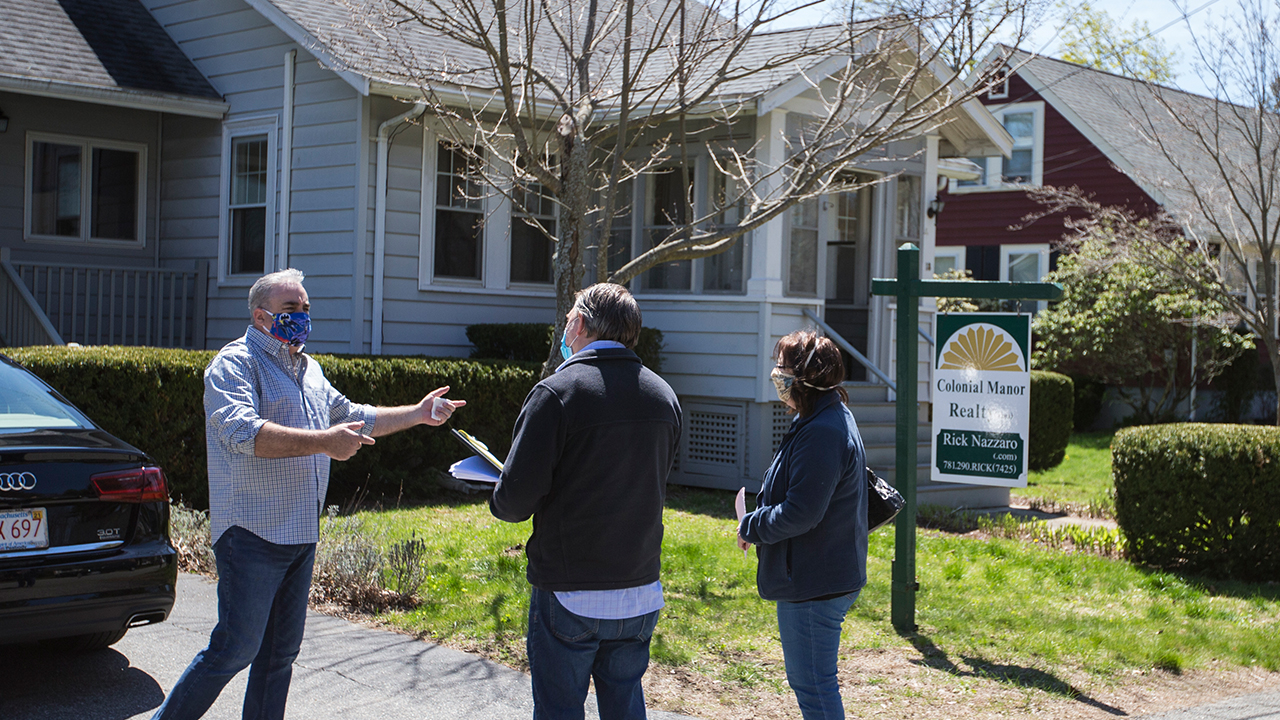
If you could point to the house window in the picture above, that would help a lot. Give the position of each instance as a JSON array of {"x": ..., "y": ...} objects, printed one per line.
[
  {"x": 947, "y": 259},
  {"x": 459, "y": 238},
  {"x": 908, "y": 210},
  {"x": 85, "y": 190},
  {"x": 248, "y": 206},
  {"x": 1024, "y": 263},
  {"x": 247, "y": 225},
  {"x": 1017, "y": 167},
  {"x": 1000, "y": 88},
  {"x": 802, "y": 250},
  {"x": 669, "y": 200},
  {"x": 1025, "y": 164},
  {"x": 726, "y": 271},
  {"x": 533, "y": 224}
]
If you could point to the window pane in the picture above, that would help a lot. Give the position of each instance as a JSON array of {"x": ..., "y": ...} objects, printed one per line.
[
  {"x": 531, "y": 252},
  {"x": 458, "y": 244},
  {"x": 456, "y": 184},
  {"x": 249, "y": 170},
  {"x": 943, "y": 264},
  {"x": 114, "y": 211},
  {"x": 668, "y": 276},
  {"x": 908, "y": 206},
  {"x": 55, "y": 189},
  {"x": 1020, "y": 125},
  {"x": 724, "y": 272},
  {"x": 1017, "y": 169},
  {"x": 802, "y": 277},
  {"x": 248, "y": 240},
  {"x": 1024, "y": 267},
  {"x": 668, "y": 200}
]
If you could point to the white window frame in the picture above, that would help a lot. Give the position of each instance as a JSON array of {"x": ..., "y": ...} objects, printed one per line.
[
  {"x": 87, "y": 144},
  {"x": 517, "y": 216},
  {"x": 1042, "y": 253},
  {"x": 994, "y": 166},
  {"x": 268, "y": 125},
  {"x": 957, "y": 252},
  {"x": 1000, "y": 90}
]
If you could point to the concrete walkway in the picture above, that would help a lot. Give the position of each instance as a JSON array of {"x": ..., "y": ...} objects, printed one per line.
[{"x": 344, "y": 672}]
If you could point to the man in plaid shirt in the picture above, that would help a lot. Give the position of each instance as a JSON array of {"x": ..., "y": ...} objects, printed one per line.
[{"x": 272, "y": 424}]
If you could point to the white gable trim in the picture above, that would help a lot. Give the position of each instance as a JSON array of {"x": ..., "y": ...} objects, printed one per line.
[
  {"x": 1091, "y": 135},
  {"x": 298, "y": 34},
  {"x": 802, "y": 81}
]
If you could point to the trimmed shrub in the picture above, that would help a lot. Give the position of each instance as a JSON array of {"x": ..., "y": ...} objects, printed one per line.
[
  {"x": 1052, "y": 399},
  {"x": 531, "y": 342},
  {"x": 153, "y": 399},
  {"x": 1200, "y": 498}
]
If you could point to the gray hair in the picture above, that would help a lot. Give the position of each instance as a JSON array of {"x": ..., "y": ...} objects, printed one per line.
[
  {"x": 269, "y": 283},
  {"x": 609, "y": 312}
]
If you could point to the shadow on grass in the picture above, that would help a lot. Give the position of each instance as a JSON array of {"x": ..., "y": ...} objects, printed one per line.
[
  {"x": 701, "y": 501},
  {"x": 934, "y": 657}
]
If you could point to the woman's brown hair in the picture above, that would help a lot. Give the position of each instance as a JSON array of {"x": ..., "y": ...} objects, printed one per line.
[{"x": 816, "y": 363}]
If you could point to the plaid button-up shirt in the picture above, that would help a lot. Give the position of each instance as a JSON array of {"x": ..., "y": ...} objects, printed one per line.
[{"x": 253, "y": 381}]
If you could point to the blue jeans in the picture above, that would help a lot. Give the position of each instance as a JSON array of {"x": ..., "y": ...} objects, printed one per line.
[
  {"x": 262, "y": 610},
  {"x": 810, "y": 634},
  {"x": 567, "y": 650}
]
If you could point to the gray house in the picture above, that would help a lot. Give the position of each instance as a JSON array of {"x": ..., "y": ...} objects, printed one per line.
[{"x": 180, "y": 148}]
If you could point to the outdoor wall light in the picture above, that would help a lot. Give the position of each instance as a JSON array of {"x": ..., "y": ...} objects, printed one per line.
[
  {"x": 935, "y": 208},
  {"x": 4, "y": 122}
]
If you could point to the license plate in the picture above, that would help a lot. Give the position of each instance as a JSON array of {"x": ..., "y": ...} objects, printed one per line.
[{"x": 23, "y": 529}]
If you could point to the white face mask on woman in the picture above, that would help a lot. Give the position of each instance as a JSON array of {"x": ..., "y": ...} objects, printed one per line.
[{"x": 783, "y": 378}]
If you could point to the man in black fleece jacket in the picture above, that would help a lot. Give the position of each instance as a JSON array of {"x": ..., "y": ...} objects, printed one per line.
[{"x": 593, "y": 447}]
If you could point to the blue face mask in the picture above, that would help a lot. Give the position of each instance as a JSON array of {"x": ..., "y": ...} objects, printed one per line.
[
  {"x": 565, "y": 350},
  {"x": 291, "y": 328}
]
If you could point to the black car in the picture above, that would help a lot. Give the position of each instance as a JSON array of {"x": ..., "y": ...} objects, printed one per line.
[{"x": 84, "y": 524}]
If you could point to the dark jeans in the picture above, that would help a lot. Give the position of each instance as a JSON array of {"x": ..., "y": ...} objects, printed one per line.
[
  {"x": 262, "y": 609},
  {"x": 566, "y": 651},
  {"x": 810, "y": 633}
]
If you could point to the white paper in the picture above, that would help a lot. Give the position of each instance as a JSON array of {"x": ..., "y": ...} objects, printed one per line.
[
  {"x": 438, "y": 408},
  {"x": 740, "y": 507},
  {"x": 474, "y": 469}
]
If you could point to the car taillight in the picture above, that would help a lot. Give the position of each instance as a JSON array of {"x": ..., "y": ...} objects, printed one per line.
[{"x": 146, "y": 484}]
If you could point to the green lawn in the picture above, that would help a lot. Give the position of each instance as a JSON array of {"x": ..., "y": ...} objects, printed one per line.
[
  {"x": 1081, "y": 483},
  {"x": 994, "y": 603}
]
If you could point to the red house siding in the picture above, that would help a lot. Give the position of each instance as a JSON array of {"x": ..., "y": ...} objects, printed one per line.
[{"x": 984, "y": 218}]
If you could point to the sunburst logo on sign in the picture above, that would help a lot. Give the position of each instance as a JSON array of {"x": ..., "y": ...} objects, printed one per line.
[{"x": 983, "y": 348}]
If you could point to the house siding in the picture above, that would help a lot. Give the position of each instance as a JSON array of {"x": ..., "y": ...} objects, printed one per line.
[
  {"x": 1070, "y": 159},
  {"x": 93, "y": 122},
  {"x": 242, "y": 55}
]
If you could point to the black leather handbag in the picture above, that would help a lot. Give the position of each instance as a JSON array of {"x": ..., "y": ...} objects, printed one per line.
[{"x": 883, "y": 501}]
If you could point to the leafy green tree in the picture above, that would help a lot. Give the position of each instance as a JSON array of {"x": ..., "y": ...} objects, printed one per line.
[
  {"x": 1090, "y": 37},
  {"x": 1131, "y": 326}
]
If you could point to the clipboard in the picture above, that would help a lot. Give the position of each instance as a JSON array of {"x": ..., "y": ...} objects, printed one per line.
[{"x": 476, "y": 447}]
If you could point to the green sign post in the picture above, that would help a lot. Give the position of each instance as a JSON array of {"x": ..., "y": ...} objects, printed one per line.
[{"x": 908, "y": 289}]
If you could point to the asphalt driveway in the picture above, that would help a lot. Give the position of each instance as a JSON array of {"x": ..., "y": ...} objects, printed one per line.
[{"x": 344, "y": 672}]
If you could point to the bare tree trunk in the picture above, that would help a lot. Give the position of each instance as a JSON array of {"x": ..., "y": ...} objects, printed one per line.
[{"x": 575, "y": 198}]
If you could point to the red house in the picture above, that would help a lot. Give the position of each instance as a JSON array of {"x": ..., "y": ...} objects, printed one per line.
[{"x": 1069, "y": 128}]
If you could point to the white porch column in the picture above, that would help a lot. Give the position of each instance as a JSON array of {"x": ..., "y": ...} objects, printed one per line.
[
  {"x": 768, "y": 242},
  {"x": 929, "y": 226}
]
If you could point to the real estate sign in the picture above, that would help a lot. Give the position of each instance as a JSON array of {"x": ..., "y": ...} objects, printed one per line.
[{"x": 981, "y": 398}]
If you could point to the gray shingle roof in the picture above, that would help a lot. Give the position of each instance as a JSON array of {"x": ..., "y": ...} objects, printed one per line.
[
  {"x": 1122, "y": 112},
  {"x": 108, "y": 44},
  {"x": 350, "y": 33}
]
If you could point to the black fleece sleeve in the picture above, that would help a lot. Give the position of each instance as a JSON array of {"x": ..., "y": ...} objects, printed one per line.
[{"x": 531, "y": 463}]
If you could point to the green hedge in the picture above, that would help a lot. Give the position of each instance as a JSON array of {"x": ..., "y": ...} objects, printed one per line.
[
  {"x": 531, "y": 342},
  {"x": 1200, "y": 498},
  {"x": 153, "y": 399},
  {"x": 1052, "y": 398}
]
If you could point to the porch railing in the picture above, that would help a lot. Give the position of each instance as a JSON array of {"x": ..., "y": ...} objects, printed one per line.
[
  {"x": 98, "y": 305},
  {"x": 21, "y": 321}
]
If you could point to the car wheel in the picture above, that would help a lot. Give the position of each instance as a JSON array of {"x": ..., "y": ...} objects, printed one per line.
[{"x": 87, "y": 643}]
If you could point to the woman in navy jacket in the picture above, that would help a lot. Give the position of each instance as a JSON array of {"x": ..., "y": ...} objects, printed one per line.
[{"x": 810, "y": 522}]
